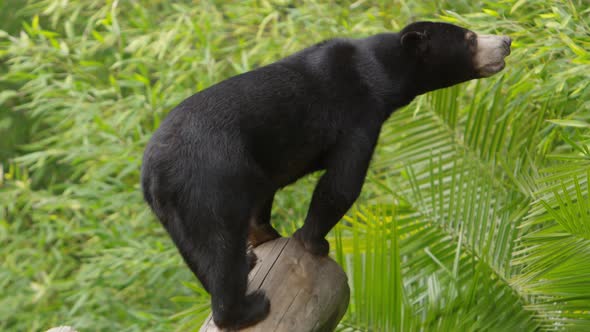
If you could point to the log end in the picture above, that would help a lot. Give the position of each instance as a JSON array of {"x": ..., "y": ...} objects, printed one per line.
[{"x": 306, "y": 292}]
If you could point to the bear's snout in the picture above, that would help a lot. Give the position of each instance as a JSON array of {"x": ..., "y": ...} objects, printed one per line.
[
  {"x": 507, "y": 43},
  {"x": 490, "y": 54}
]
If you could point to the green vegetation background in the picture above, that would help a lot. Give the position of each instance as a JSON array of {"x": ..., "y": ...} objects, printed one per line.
[{"x": 475, "y": 214}]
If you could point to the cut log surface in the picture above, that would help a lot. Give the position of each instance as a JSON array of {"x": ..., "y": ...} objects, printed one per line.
[{"x": 306, "y": 292}]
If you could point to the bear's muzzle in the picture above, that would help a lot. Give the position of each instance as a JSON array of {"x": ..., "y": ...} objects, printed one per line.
[{"x": 490, "y": 54}]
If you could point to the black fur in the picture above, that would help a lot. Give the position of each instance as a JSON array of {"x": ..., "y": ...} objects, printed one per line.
[{"x": 211, "y": 170}]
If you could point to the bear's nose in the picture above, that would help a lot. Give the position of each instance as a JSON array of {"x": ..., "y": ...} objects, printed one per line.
[{"x": 507, "y": 42}]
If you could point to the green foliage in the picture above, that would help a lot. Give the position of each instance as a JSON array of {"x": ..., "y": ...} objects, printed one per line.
[{"x": 475, "y": 215}]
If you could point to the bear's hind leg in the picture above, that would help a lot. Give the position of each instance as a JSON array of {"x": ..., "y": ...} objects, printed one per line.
[
  {"x": 217, "y": 256},
  {"x": 232, "y": 308}
]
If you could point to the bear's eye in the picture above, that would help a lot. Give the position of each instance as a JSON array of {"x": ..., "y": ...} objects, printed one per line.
[{"x": 471, "y": 39}]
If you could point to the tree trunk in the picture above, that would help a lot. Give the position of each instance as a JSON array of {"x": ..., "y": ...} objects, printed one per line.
[{"x": 306, "y": 292}]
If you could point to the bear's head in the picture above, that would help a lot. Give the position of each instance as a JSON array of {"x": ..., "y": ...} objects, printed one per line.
[{"x": 446, "y": 54}]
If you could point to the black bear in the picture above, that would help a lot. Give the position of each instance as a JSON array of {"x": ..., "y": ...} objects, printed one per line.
[{"x": 211, "y": 170}]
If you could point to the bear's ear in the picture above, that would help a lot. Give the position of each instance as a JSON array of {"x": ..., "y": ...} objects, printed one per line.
[{"x": 415, "y": 42}]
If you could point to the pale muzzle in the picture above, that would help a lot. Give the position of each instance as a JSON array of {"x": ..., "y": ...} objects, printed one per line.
[{"x": 490, "y": 54}]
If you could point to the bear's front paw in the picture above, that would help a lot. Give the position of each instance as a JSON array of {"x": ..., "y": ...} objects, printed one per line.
[{"x": 315, "y": 246}]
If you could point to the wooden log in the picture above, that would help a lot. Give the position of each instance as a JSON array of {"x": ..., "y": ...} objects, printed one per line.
[{"x": 307, "y": 293}]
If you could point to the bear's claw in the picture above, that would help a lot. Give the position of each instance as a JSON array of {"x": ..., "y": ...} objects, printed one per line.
[
  {"x": 255, "y": 308},
  {"x": 252, "y": 258},
  {"x": 259, "y": 234}
]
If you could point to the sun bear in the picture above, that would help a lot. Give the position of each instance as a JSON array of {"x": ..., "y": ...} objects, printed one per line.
[{"x": 212, "y": 168}]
